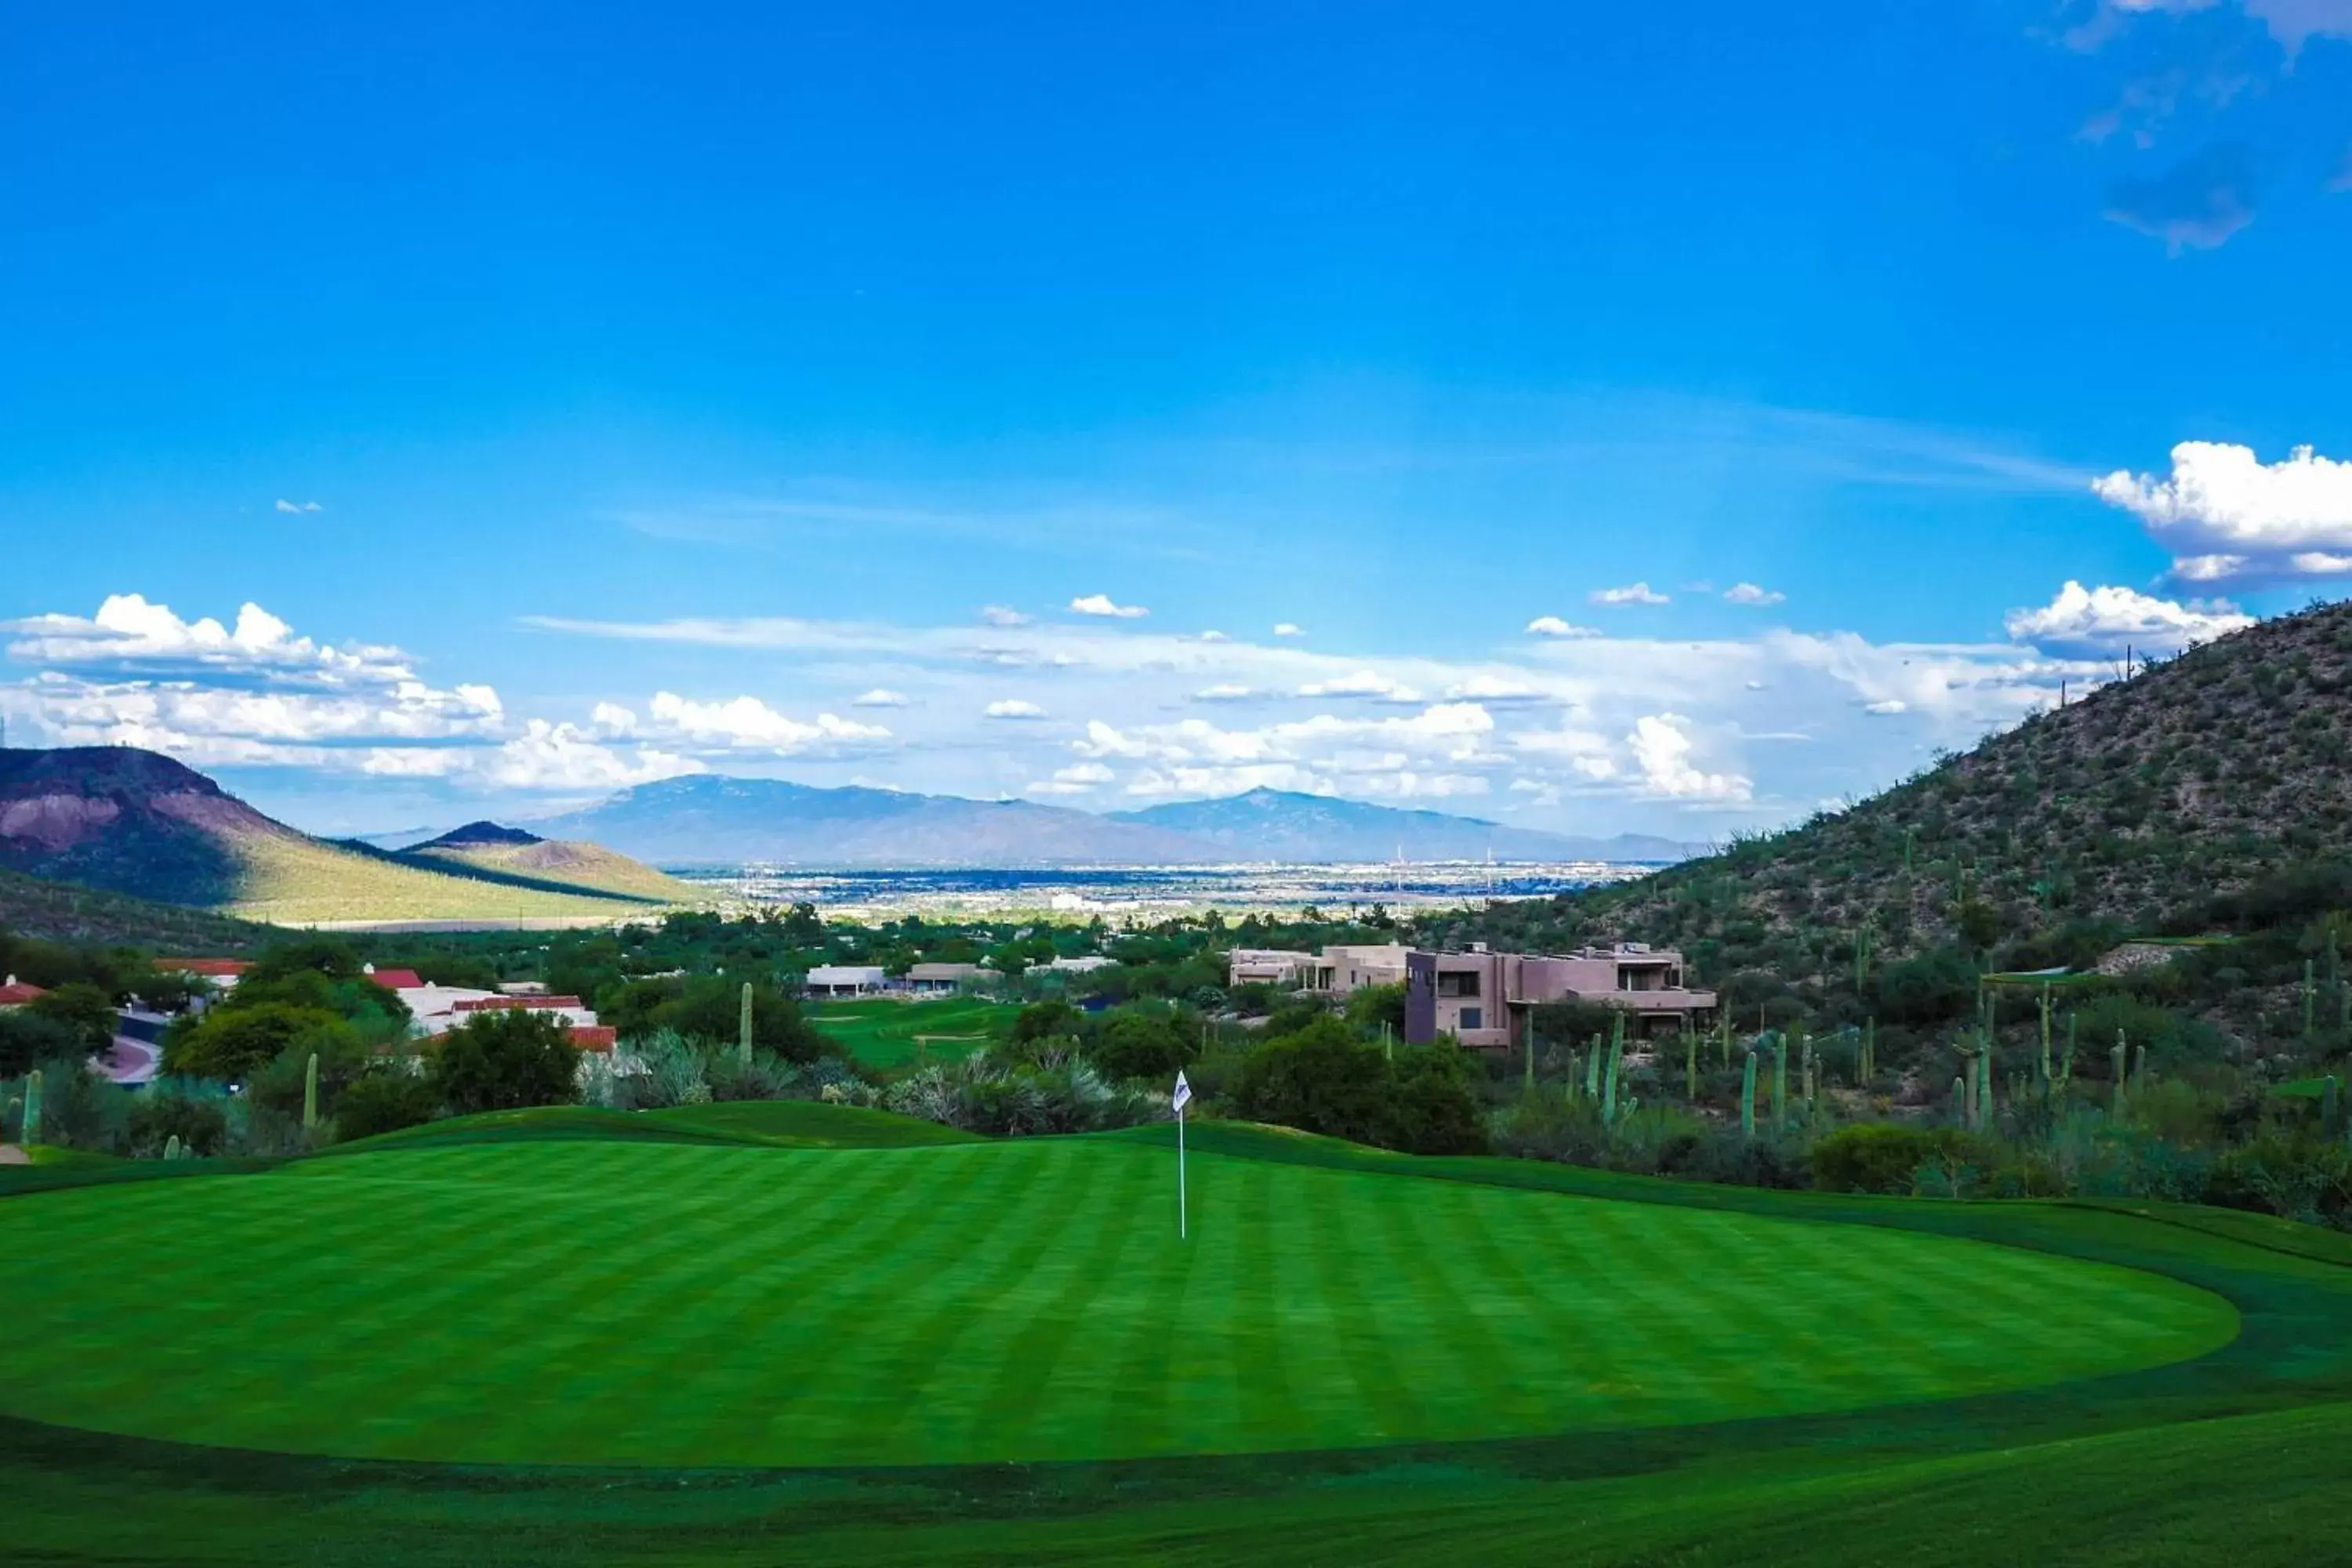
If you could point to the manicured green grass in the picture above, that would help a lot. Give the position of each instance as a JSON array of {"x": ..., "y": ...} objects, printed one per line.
[
  {"x": 768, "y": 1123},
  {"x": 637, "y": 1303},
  {"x": 887, "y": 1033}
]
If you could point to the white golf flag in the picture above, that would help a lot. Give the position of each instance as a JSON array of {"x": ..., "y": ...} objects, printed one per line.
[{"x": 1183, "y": 1091}]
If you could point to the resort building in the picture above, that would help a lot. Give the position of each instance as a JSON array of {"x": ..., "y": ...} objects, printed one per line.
[
  {"x": 16, "y": 992},
  {"x": 942, "y": 979},
  {"x": 1484, "y": 998}
]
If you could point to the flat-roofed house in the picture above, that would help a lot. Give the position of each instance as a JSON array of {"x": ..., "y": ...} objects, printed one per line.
[
  {"x": 1484, "y": 998},
  {"x": 846, "y": 979},
  {"x": 942, "y": 979},
  {"x": 1269, "y": 966}
]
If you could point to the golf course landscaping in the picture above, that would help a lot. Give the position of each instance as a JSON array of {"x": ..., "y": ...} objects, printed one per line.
[
  {"x": 891, "y": 1342},
  {"x": 889, "y": 1033}
]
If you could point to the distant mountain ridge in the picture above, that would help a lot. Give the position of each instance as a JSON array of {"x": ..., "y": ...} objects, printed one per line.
[
  {"x": 712, "y": 820},
  {"x": 1282, "y": 825}
]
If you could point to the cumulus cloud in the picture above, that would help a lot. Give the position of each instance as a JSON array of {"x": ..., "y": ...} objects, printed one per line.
[
  {"x": 2196, "y": 204},
  {"x": 1362, "y": 683},
  {"x": 285, "y": 505},
  {"x": 1289, "y": 629},
  {"x": 1013, "y": 707},
  {"x": 1488, "y": 687},
  {"x": 1103, "y": 605},
  {"x": 1224, "y": 691},
  {"x": 2227, "y": 517},
  {"x": 1553, "y": 626},
  {"x": 746, "y": 723},
  {"x": 557, "y": 757},
  {"x": 879, "y": 696},
  {"x": 2098, "y": 623},
  {"x": 1428, "y": 753},
  {"x": 129, "y": 636},
  {"x": 1214, "y": 636},
  {"x": 1662, "y": 749},
  {"x": 1002, "y": 616},
  {"x": 1750, "y": 594},
  {"x": 1886, "y": 708},
  {"x": 1631, "y": 593}
]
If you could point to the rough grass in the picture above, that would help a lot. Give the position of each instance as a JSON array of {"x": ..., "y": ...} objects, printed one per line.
[
  {"x": 607, "y": 1303},
  {"x": 887, "y": 1034}
]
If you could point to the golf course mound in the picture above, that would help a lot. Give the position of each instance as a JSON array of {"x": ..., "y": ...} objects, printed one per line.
[{"x": 597, "y": 1301}]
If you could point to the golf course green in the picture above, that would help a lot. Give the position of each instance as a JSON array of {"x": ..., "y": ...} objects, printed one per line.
[{"x": 583, "y": 1300}]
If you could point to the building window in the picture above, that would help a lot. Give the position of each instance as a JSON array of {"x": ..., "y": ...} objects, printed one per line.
[
  {"x": 1473, "y": 1018},
  {"x": 1462, "y": 983}
]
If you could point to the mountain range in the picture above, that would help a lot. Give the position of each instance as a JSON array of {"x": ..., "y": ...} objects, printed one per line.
[
  {"x": 132, "y": 821},
  {"x": 707, "y": 819}
]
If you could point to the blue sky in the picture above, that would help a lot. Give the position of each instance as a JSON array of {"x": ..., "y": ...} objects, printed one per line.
[{"x": 584, "y": 393}]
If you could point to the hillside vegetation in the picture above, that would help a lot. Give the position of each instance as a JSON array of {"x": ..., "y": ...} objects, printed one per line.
[
  {"x": 2197, "y": 794},
  {"x": 60, "y": 912},
  {"x": 556, "y": 863}
]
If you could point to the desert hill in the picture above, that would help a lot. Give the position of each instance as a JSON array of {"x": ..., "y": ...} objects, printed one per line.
[{"x": 2151, "y": 804}]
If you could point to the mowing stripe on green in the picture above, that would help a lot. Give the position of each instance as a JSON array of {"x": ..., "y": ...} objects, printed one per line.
[{"x": 649, "y": 1303}]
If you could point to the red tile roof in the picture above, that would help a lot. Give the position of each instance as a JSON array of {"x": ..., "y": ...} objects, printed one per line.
[
  {"x": 15, "y": 995},
  {"x": 496, "y": 1004},
  {"x": 398, "y": 978},
  {"x": 209, "y": 968},
  {"x": 595, "y": 1037}
]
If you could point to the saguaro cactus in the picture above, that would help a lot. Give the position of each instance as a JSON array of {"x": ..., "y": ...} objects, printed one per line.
[
  {"x": 1723, "y": 1032},
  {"x": 311, "y": 1093},
  {"x": 171, "y": 1147},
  {"x": 32, "y": 1134},
  {"x": 1748, "y": 1095},
  {"x": 1592, "y": 1069},
  {"x": 1779, "y": 1082},
  {"x": 2045, "y": 1037},
  {"x": 2331, "y": 1106},
  {"x": 743, "y": 1028},
  {"x": 1960, "y": 1100},
  {"x": 2310, "y": 1003},
  {"x": 2116, "y": 1061},
  {"x": 1616, "y": 1059},
  {"x": 1690, "y": 1066},
  {"x": 1869, "y": 1067}
]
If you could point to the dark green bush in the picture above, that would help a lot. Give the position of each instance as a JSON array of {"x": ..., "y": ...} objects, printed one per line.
[
  {"x": 385, "y": 1099},
  {"x": 1884, "y": 1157},
  {"x": 504, "y": 1059}
]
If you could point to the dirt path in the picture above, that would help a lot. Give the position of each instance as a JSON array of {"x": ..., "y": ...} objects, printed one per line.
[{"x": 12, "y": 1155}]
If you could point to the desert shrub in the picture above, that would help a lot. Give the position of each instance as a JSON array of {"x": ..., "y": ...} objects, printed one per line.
[
  {"x": 1373, "y": 1008},
  {"x": 1885, "y": 1157},
  {"x": 79, "y": 1110},
  {"x": 505, "y": 1058},
  {"x": 1320, "y": 1078},
  {"x": 662, "y": 1069},
  {"x": 1433, "y": 1107},
  {"x": 763, "y": 1077},
  {"x": 189, "y": 1109},
  {"x": 709, "y": 1008},
  {"x": 386, "y": 1098},
  {"x": 280, "y": 1082},
  {"x": 1047, "y": 1020},
  {"x": 2298, "y": 1179},
  {"x": 983, "y": 1094},
  {"x": 1928, "y": 988}
]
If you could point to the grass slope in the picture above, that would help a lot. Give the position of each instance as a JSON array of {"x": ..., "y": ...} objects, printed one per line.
[
  {"x": 594, "y": 1302},
  {"x": 587, "y": 868},
  {"x": 2137, "y": 803},
  {"x": 887, "y": 1034},
  {"x": 290, "y": 878}
]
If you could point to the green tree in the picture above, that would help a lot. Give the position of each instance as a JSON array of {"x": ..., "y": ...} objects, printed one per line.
[
  {"x": 1373, "y": 1005},
  {"x": 1433, "y": 1106},
  {"x": 27, "y": 1040},
  {"x": 1323, "y": 1078},
  {"x": 1142, "y": 1042},
  {"x": 1048, "y": 1020},
  {"x": 83, "y": 1008},
  {"x": 230, "y": 1043},
  {"x": 711, "y": 1007},
  {"x": 384, "y": 1098},
  {"x": 505, "y": 1058}
]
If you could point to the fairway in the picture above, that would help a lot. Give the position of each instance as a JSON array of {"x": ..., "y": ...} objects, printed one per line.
[
  {"x": 886, "y": 1033},
  {"x": 661, "y": 1304}
]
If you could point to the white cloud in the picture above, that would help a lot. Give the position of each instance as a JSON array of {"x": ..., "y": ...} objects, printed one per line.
[
  {"x": 1750, "y": 594},
  {"x": 1362, "y": 683},
  {"x": 746, "y": 723},
  {"x": 2229, "y": 517},
  {"x": 1289, "y": 629},
  {"x": 1631, "y": 593},
  {"x": 1886, "y": 707},
  {"x": 1662, "y": 749},
  {"x": 1078, "y": 778},
  {"x": 1214, "y": 636},
  {"x": 1553, "y": 626},
  {"x": 879, "y": 696},
  {"x": 2293, "y": 22},
  {"x": 285, "y": 505},
  {"x": 554, "y": 757},
  {"x": 1014, "y": 708},
  {"x": 1488, "y": 687},
  {"x": 2098, "y": 623},
  {"x": 1432, "y": 752},
  {"x": 1002, "y": 616},
  {"x": 1227, "y": 691},
  {"x": 130, "y": 636},
  {"x": 1102, "y": 604}
]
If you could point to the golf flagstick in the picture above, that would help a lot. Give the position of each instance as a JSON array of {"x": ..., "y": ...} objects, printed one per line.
[{"x": 1183, "y": 1097}]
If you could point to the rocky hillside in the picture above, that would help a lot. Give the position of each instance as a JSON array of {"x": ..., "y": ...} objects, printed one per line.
[
  {"x": 2149, "y": 804},
  {"x": 129, "y": 821}
]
